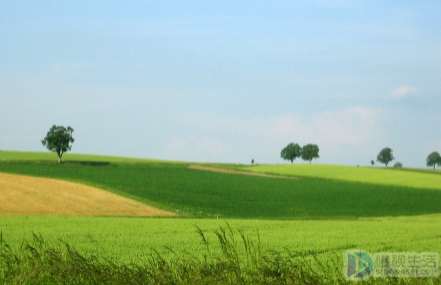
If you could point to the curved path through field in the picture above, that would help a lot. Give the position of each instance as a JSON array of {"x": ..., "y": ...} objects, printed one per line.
[
  {"x": 214, "y": 169},
  {"x": 24, "y": 195}
]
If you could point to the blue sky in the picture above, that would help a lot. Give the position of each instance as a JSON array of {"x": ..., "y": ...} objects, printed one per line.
[{"x": 224, "y": 81}]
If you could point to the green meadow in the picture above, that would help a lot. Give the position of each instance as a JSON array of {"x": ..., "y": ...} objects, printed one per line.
[
  {"x": 316, "y": 217},
  {"x": 133, "y": 239},
  {"x": 205, "y": 194},
  {"x": 427, "y": 179},
  {"x": 49, "y": 157}
]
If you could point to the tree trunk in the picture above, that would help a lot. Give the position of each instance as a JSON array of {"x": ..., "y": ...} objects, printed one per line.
[
  {"x": 310, "y": 161},
  {"x": 59, "y": 159}
]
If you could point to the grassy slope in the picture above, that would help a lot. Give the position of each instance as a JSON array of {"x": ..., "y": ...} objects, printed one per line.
[
  {"x": 52, "y": 157},
  {"x": 417, "y": 179},
  {"x": 206, "y": 194},
  {"x": 131, "y": 239}
]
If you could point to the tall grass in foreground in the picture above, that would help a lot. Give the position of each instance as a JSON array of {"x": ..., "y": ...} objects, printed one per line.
[{"x": 240, "y": 260}]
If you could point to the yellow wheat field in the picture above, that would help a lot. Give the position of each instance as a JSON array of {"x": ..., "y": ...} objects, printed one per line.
[{"x": 23, "y": 195}]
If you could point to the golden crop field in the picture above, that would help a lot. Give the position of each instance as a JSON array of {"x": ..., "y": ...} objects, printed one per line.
[{"x": 23, "y": 195}]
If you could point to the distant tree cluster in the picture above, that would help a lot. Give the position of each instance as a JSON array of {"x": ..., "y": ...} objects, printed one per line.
[
  {"x": 386, "y": 155},
  {"x": 293, "y": 151}
]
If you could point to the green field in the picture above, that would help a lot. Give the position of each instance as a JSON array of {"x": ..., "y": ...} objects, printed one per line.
[
  {"x": 208, "y": 194},
  {"x": 323, "y": 212},
  {"x": 383, "y": 176},
  {"x": 51, "y": 157},
  {"x": 132, "y": 239}
]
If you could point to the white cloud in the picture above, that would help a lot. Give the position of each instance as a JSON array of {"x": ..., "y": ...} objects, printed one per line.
[{"x": 403, "y": 92}]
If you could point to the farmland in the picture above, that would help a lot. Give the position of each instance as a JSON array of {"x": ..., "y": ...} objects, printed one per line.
[
  {"x": 394, "y": 177},
  {"x": 319, "y": 214},
  {"x": 132, "y": 239},
  {"x": 23, "y": 195},
  {"x": 205, "y": 194}
]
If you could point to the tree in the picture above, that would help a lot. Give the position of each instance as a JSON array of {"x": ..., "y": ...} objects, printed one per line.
[
  {"x": 385, "y": 156},
  {"x": 59, "y": 139},
  {"x": 252, "y": 161},
  {"x": 398, "y": 165},
  {"x": 372, "y": 162},
  {"x": 291, "y": 152},
  {"x": 309, "y": 152},
  {"x": 433, "y": 159}
]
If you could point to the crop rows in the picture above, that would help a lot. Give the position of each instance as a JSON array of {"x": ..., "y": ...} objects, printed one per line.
[{"x": 206, "y": 194}]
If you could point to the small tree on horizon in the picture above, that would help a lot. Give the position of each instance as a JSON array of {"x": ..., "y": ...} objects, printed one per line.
[
  {"x": 59, "y": 139},
  {"x": 398, "y": 165},
  {"x": 433, "y": 159},
  {"x": 372, "y": 162},
  {"x": 252, "y": 161},
  {"x": 309, "y": 152},
  {"x": 291, "y": 152},
  {"x": 385, "y": 156}
]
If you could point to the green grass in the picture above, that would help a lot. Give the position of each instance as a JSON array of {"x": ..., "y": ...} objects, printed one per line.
[
  {"x": 208, "y": 194},
  {"x": 381, "y": 176},
  {"x": 37, "y": 262},
  {"x": 132, "y": 239},
  {"x": 287, "y": 246},
  {"x": 188, "y": 251},
  {"x": 69, "y": 157}
]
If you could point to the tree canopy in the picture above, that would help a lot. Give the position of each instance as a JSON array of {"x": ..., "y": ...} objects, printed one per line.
[
  {"x": 59, "y": 139},
  {"x": 309, "y": 152},
  {"x": 291, "y": 152},
  {"x": 433, "y": 159},
  {"x": 385, "y": 156}
]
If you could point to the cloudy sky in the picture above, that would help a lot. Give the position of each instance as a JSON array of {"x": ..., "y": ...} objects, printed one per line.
[{"x": 224, "y": 81}]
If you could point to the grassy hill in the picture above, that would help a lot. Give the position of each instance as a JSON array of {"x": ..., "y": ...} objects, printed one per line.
[
  {"x": 381, "y": 176},
  {"x": 196, "y": 193},
  {"x": 327, "y": 215},
  {"x": 69, "y": 157}
]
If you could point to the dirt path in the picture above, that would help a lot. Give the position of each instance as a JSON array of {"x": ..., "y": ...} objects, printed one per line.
[
  {"x": 214, "y": 169},
  {"x": 24, "y": 195}
]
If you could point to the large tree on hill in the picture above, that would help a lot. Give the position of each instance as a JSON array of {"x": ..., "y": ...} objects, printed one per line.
[
  {"x": 291, "y": 152},
  {"x": 59, "y": 139},
  {"x": 385, "y": 156},
  {"x": 309, "y": 152},
  {"x": 433, "y": 159}
]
